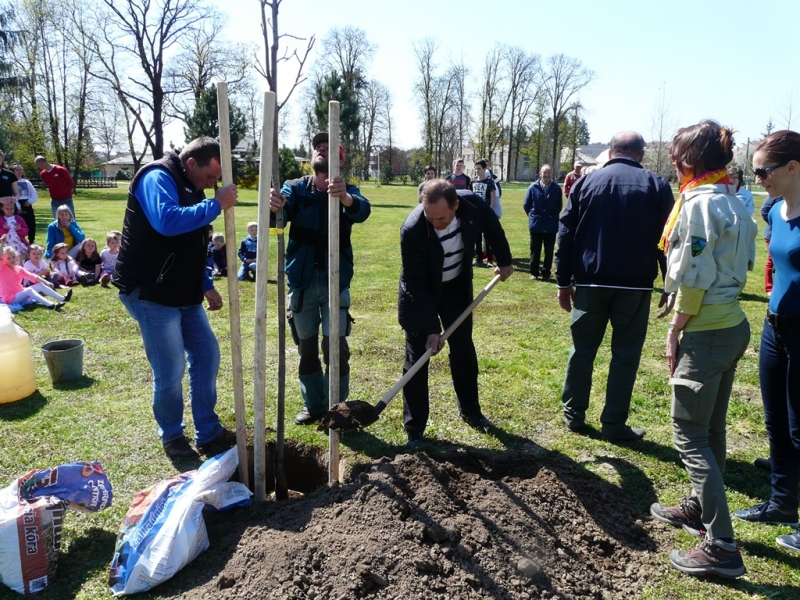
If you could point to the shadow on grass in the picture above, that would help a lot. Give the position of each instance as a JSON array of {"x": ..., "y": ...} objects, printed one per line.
[
  {"x": 404, "y": 206},
  {"x": 79, "y": 384},
  {"x": 763, "y": 298},
  {"x": 86, "y": 555},
  {"x": 22, "y": 409},
  {"x": 765, "y": 590},
  {"x": 747, "y": 479}
]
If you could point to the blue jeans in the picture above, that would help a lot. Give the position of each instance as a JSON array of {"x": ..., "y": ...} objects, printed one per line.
[
  {"x": 246, "y": 271},
  {"x": 779, "y": 373},
  {"x": 171, "y": 335},
  {"x": 54, "y": 204}
]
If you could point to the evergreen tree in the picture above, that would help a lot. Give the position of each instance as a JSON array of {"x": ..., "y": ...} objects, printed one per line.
[
  {"x": 290, "y": 168},
  {"x": 8, "y": 81},
  {"x": 333, "y": 87},
  {"x": 205, "y": 119}
]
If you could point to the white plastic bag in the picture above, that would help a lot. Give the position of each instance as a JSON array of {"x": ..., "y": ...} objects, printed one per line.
[{"x": 164, "y": 529}]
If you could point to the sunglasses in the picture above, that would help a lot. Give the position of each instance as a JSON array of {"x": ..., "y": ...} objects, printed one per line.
[{"x": 764, "y": 173}]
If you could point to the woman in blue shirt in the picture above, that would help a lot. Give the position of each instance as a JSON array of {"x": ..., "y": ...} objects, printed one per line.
[{"x": 776, "y": 163}]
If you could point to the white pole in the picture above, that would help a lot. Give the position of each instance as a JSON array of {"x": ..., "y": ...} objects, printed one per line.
[
  {"x": 233, "y": 284},
  {"x": 334, "y": 210},
  {"x": 262, "y": 269}
]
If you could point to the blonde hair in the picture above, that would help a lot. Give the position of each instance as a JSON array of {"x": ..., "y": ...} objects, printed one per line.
[
  {"x": 252, "y": 224},
  {"x": 35, "y": 247},
  {"x": 113, "y": 235},
  {"x": 218, "y": 237},
  {"x": 10, "y": 251}
]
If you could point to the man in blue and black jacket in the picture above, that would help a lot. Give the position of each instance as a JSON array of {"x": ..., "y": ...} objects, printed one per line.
[
  {"x": 304, "y": 203},
  {"x": 608, "y": 249}
]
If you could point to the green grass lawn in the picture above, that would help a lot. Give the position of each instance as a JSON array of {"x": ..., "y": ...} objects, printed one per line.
[{"x": 523, "y": 341}]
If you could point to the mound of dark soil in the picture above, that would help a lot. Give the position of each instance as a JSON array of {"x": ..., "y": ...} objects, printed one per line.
[{"x": 467, "y": 526}]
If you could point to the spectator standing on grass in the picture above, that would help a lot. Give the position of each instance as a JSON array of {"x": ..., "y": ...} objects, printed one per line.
[
  {"x": 9, "y": 190},
  {"x": 162, "y": 280},
  {"x": 429, "y": 172},
  {"x": 247, "y": 253},
  {"x": 27, "y": 198},
  {"x": 483, "y": 187},
  {"x": 543, "y": 203},
  {"x": 436, "y": 244},
  {"x": 776, "y": 164},
  {"x": 458, "y": 178},
  {"x": 572, "y": 177},
  {"x": 304, "y": 203},
  {"x": 59, "y": 184},
  {"x": 769, "y": 267},
  {"x": 710, "y": 244},
  {"x": 608, "y": 249},
  {"x": 64, "y": 230},
  {"x": 498, "y": 208}
]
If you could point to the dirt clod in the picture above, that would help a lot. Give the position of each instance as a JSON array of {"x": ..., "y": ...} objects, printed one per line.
[{"x": 471, "y": 526}]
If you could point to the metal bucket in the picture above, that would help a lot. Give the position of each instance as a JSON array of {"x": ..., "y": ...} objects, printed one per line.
[{"x": 64, "y": 359}]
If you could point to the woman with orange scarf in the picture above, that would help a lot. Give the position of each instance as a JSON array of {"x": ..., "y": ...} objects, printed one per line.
[{"x": 710, "y": 244}]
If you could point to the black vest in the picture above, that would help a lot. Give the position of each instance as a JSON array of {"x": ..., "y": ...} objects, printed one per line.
[{"x": 169, "y": 270}]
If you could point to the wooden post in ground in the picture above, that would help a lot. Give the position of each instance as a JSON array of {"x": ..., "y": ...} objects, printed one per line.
[
  {"x": 262, "y": 278},
  {"x": 233, "y": 283},
  {"x": 334, "y": 211}
]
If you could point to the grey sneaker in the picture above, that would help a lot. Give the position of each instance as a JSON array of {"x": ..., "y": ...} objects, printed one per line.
[
  {"x": 710, "y": 557},
  {"x": 686, "y": 515},
  {"x": 790, "y": 542}
]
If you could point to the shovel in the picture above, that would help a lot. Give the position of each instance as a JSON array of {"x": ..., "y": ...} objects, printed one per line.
[{"x": 356, "y": 414}]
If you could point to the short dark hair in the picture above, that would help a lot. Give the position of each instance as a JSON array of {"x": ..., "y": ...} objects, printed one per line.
[
  {"x": 734, "y": 170},
  {"x": 202, "y": 149},
  {"x": 435, "y": 189},
  {"x": 429, "y": 168},
  {"x": 481, "y": 162},
  {"x": 627, "y": 142},
  {"x": 707, "y": 146},
  {"x": 781, "y": 146}
]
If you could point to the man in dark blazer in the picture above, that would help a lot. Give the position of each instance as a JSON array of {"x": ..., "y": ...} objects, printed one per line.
[{"x": 436, "y": 244}]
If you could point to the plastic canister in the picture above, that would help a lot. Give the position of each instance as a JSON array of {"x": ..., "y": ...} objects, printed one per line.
[{"x": 16, "y": 362}]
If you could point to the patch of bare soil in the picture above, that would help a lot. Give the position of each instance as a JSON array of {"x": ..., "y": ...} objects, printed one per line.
[{"x": 466, "y": 526}]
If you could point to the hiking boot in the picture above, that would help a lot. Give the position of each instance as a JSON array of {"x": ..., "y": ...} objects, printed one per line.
[
  {"x": 181, "y": 449},
  {"x": 306, "y": 418},
  {"x": 224, "y": 441},
  {"x": 767, "y": 513},
  {"x": 415, "y": 440},
  {"x": 710, "y": 557},
  {"x": 763, "y": 463},
  {"x": 576, "y": 425},
  {"x": 686, "y": 515},
  {"x": 790, "y": 542},
  {"x": 629, "y": 434},
  {"x": 478, "y": 422}
]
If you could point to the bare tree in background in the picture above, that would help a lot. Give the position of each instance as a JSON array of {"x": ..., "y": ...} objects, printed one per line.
[
  {"x": 348, "y": 52},
  {"x": 269, "y": 69},
  {"x": 461, "y": 108},
  {"x": 787, "y": 110},
  {"x": 662, "y": 129},
  {"x": 374, "y": 99},
  {"x": 493, "y": 104},
  {"x": 146, "y": 32},
  {"x": 206, "y": 56},
  {"x": 522, "y": 93},
  {"x": 562, "y": 78},
  {"x": 424, "y": 86},
  {"x": 106, "y": 121}
]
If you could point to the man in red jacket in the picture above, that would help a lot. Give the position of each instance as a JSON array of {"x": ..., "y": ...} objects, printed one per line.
[{"x": 59, "y": 183}]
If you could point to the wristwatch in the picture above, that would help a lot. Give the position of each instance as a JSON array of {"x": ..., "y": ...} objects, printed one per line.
[{"x": 673, "y": 327}]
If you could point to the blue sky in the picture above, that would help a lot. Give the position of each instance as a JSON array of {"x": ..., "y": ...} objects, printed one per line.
[{"x": 731, "y": 61}]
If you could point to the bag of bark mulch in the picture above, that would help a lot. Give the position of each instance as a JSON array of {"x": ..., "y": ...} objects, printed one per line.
[
  {"x": 164, "y": 529},
  {"x": 31, "y": 516}
]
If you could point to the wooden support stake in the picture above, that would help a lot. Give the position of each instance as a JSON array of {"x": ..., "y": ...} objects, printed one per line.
[
  {"x": 262, "y": 277},
  {"x": 334, "y": 211},
  {"x": 281, "y": 488},
  {"x": 233, "y": 283}
]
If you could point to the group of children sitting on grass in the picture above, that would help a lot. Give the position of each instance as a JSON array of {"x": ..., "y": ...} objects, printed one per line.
[
  {"x": 38, "y": 279},
  {"x": 217, "y": 262}
]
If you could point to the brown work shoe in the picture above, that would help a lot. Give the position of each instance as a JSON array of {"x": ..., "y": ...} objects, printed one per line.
[
  {"x": 181, "y": 449},
  {"x": 224, "y": 441}
]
